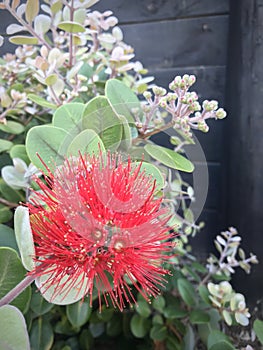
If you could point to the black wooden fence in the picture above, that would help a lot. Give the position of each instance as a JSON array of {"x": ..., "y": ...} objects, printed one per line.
[{"x": 221, "y": 43}]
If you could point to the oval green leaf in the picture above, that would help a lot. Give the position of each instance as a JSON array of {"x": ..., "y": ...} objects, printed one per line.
[
  {"x": 5, "y": 145},
  {"x": 258, "y": 328},
  {"x": 39, "y": 305},
  {"x": 7, "y": 237},
  {"x": 50, "y": 142},
  {"x": 71, "y": 27},
  {"x": 122, "y": 99},
  {"x": 11, "y": 273},
  {"x": 68, "y": 117},
  {"x": 78, "y": 313},
  {"x": 154, "y": 172},
  {"x": 186, "y": 291},
  {"x": 41, "y": 101},
  {"x": 12, "y": 127},
  {"x": 23, "y": 40},
  {"x": 87, "y": 142},
  {"x": 100, "y": 117},
  {"x": 199, "y": 317},
  {"x": 41, "y": 335},
  {"x": 19, "y": 151},
  {"x": 70, "y": 294},
  {"x": 140, "y": 326},
  {"x": 24, "y": 237},
  {"x": 13, "y": 330},
  {"x": 169, "y": 158}
]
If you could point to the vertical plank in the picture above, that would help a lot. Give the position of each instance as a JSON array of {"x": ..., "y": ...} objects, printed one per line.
[{"x": 245, "y": 125}]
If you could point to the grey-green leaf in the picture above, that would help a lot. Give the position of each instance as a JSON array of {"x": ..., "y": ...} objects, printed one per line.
[
  {"x": 13, "y": 330},
  {"x": 169, "y": 158},
  {"x": 186, "y": 291},
  {"x": 78, "y": 313},
  {"x": 100, "y": 117},
  {"x": 50, "y": 142},
  {"x": 24, "y": 237},
  {"x": 87, "y": 142},
  {"x": 41, "y": 335},
  {"x": 123, "y": 99},
  {"x": 11, "y": 273}
]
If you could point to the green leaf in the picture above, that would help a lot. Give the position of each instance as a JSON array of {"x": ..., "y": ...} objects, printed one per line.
[
  {"x": 143, "y": 308},
  {"x": 23, "y": 40},
  {"x": 42, "y": 24},
  {"x": 169, "y": 158},
  {"x": 215, "y": 338},
  {"x": 24, "y": 237},
  {"x": 5, "y": 145},
  {"x": 39, "y": 305},
  {"x": 41, "y": 101},
  {"x": 100, "y": 117},
  {"x": 258, "y": 329},
  {"x": 159, "y": 303},
  {"x": 158, "y": 333},
  {"x": 69, "y": 295},
  {"x": 78, "y": 313},
  {"x": 19, "y": 151},
  {"x": 87, "y": 142},
  {"x": 186, "y": 291},
  {"x": 204, "y": 294},
  {"x": 5, "y": 214},
  {"x": 126, "y": 140},
  {"x": 222, "y": 345},
  {"x": 13, "y": 272},
  {"x": 41, "y": 335},
  {"x": 140, "y": 326},
  {"x": 122, "y": 99},
  {"x": 173, "y": 312},
  {"x": 199, "y": 317},
  {"x": 7, "y": 237},
  {"x": 9, "y": 193},
  {"x": 189, "y": 339},
  {"x": 68, "y": 117},
  {"x": 32, "y": 9},
  {"x": 51, "y": 79},
  {"x": 50, "y": 142},
  {"x": 12, "y": 127},
  {"x": 13, "y": 330},
  {"x": 71, "y": 27},
  {"x": 153, "y": 171}
]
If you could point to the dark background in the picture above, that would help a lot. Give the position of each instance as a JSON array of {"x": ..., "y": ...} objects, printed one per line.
[{"x": 221, "y": 43}]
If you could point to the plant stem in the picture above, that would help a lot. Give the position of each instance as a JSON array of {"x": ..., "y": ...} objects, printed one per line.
[
  {"x": 71, "y": 53},
  {"x": 18, "y": 289},
  {"x": 7, "y": 203}
]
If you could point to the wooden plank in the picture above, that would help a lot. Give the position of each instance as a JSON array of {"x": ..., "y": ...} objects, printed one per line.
[
  {"x": 245, "y": 146},
  {"x": 137, "y": 10},
  {"x": 203, "y": 242},
  {"x": 212, "y": 187},
  {"x": 210, "y": 82},
  {"x": 180, "y": 43}
]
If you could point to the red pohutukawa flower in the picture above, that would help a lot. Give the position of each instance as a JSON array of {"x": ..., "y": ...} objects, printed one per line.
[{"x": 98, "y": 228}]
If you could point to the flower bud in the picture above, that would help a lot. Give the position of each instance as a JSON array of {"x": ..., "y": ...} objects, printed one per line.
[
  {"x": 202, "y": 126},
  {"x": 171, "y": 96},
  {"x": 163, "y": 102},
  {"x": 159, "y": 91},
  {"x": 147, "y": 95},
  {"x": 220, "y": 113}
]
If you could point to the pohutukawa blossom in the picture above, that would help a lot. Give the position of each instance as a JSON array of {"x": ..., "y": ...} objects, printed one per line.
[{"x": 98, "y": 228}]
